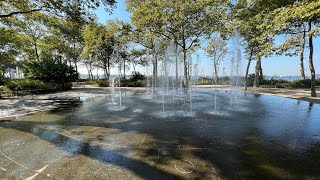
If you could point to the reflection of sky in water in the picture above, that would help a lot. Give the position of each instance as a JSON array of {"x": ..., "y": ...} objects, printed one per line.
[{"x": 289, "y": 121}]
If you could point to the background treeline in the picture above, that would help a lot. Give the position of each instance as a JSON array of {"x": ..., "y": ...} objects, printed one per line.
[{"x": 66, "y": 33}]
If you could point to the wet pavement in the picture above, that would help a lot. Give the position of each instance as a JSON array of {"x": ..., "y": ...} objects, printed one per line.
[{"x": 208, "y": 135}]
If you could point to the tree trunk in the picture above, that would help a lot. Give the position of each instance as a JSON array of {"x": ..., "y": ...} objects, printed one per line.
[
  {"x": 215, "y": 66},
  {"x": 260, "y": 69},
  {"x": 313, "y": 74},
  {"x": 105, "y": 73},
  {"x": 76, "y": 66},
  {"x": 97, "y": 73},
  {"x": 36, "y": 51},
  {"x": 88, "y": 69},
  {"x": 185, "y": 64},
  {"x": 124, "y": 68},
  {"x": 177, "y": 75},
  {"x": 257, "y": 72},
  {"x": 247, "y": 71},
  {"x": 303, "y": 77},
  {"x": 155, "y": 69},
  {"x": 74, "y": 57},
  {"x": 108, "y": 71}
]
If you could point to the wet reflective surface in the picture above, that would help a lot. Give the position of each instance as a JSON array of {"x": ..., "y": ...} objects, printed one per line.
[{"x": 216, "y": 135}]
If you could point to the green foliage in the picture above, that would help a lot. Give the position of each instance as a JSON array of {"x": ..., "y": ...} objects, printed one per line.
[
  {"x": 136, "y": 80},
  {"x": 185, "y": 22},
  {"x": 4, "y": 89},
  {"x": 103, "y": 83},
  {"x": 89, "y": 81},
  {"x": 2, "y": 81},
  {"x": 65, "y": 7},
  {"x": 50, "y": 71},
  {"x": 251, "y": 78},
  {"x": 8, "y": 51},
  {"x": 30, "y": 84},
  {"x": 303, "y": 83}
]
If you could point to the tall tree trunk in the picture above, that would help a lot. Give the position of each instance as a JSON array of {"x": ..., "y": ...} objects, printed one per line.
[
  {"x": 215, "y": 65},
  {"x": 105, "y": 73},
  {"x": 90, "y": 71},
  {"x": 303, "y": 77},
  {"x": 155, "y": 69},
  {"x": 177, "y": 75},
  {"x": 260, "y": 69},
  {"x": 88, "y": 68},
  {"x": 313, "y": 74},
  {"x": 74, "y": 57},
  {"x": 36, "y": 50},
  {"x": 185, "y": 64},
  {"x": 247, "y": 70},
  {"x": 105, "y": 68},
  {"x": 124, "y": 68},
  {"x": 108, "y": 71},
  {"x": 97, "y": 73},
  {"x": 190, "y": 69},
  {"x": 257, "y": 72},
  {"x": 76, "y": 66}
]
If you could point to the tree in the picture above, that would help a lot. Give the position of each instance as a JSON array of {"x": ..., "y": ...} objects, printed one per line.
[
  {"x": 61, "y": 7},
  {"x": 32, "y": 31},
  {"x": 70, "y": 31},
  {"x": 106, "y": 50},
  {"x": 92, "y": 41},
  {"x": 149, "y": 40},
  {"x": 250, "y": 21},
  {"x": 184, "y": 21},
  {"x": 295, "y": 45},
  {"x": 8, "y": 49},
  {"x": 301, "y": 11},
  {"x": 138, "y": 57},
  {"x": 216, "y": 50},
  {"x": 51, "y": 70}
]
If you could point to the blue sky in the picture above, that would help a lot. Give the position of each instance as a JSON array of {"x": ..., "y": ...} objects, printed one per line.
[{"x": 272, "y": 66}]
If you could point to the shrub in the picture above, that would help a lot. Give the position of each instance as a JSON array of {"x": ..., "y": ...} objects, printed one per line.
[
  {"x": 103, "y": 83},
  {"x": 136, "y": 80},
  {"x": 91, "y": 82},
  {"x": 303, "y": 83},
  {"x": 2, "y": 81},
  {"x": 51, "y": 70},
  {"x": 32, "y": 85},
  {"x": 4, "y": 89},
  {"x": 68, "y": 86}
]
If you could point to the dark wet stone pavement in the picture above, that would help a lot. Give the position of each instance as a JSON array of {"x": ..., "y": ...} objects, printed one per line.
[{"x": 241, "y": 136}]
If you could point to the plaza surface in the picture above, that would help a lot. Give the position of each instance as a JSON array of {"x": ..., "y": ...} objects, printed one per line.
[{"x": 208, "y": 134}]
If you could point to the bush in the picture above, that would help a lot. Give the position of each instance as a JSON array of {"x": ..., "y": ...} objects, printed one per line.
[
  {"x": 68, "y": 86},
  {"x": 32, "y": 85},
  {"x": 2, "y": 81},
  {"x": 51, "y": 71},
  {"x": 4, "y": 89},
  {"x": 136, "y": 80},
  {"x": 251, "y": 78},
  {"x": 275, "y": 83},
  {"x": 103, "y": 83},
  {"x": 91, "y": 82},
  {"x": 303, "y": 83}
]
